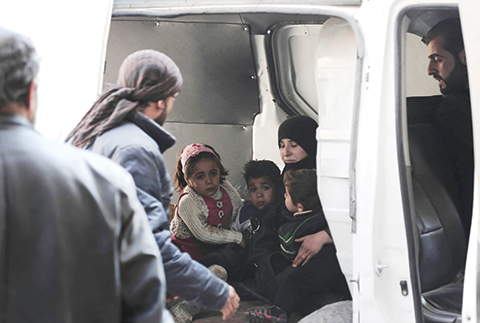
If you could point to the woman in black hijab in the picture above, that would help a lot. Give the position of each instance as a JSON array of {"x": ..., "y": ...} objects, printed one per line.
[
  {"x": 298, "y": 148},
  {"x": 297, "y": 143}
]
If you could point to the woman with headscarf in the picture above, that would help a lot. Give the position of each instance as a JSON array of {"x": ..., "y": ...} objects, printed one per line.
[
  {"x": 297, "y": 143},
  {"x": 298, "y": 148},
  {"x": 125, "y": 126},
  {"x": 276, "y": 274}
]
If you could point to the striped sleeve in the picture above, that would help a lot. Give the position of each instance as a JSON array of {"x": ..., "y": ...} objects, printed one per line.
[{"x": 196, "y": 221}]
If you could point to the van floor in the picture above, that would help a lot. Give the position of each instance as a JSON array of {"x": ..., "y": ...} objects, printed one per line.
[{"x": 210, "y": 316}]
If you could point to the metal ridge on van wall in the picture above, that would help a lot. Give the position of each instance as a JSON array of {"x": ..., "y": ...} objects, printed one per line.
[{"x": 132, "y": 4}]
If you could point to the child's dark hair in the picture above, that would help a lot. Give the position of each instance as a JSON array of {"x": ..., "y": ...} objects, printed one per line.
[
  {"x": 302, "y": 186},
  {"x": 261, "y": 168},
  {"x": 179, "y": 179}
]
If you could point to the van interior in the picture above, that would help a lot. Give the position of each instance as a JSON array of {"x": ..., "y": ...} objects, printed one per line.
[{"x": 244, "y": 73}]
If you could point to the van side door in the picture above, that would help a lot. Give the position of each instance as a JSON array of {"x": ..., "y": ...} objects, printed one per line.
[{"x": 470, "y": 27}]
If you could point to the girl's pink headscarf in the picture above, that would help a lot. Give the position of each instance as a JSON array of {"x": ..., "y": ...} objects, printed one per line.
[{"x": 192, "y": 151}]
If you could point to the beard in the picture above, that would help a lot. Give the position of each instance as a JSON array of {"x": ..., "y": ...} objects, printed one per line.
[
  {"x": 457, "y": 80},
  {"x": 161, "y": 118}
]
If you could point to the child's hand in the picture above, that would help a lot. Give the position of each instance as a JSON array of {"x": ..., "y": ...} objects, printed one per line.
[
  {"x": 171, "y": 298},
  {"x": 311, "y": 245},
  {"x": 231, "y": 306}
]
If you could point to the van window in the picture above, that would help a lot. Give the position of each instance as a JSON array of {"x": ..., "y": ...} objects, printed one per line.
[{"x": 294, "y": 48}]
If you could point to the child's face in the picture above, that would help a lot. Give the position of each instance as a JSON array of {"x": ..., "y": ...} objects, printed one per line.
[
  {"x": 205, "y": 177},
  {"x": 288, "y": 201},
  {"x": 261, "y": 191}
]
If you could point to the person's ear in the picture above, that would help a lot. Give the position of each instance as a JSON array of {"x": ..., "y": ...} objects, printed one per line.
[
  {"x": 462, "y": 57},
  {"x": 31, "y": 101},
  {"x": 161, "y": 104},
  {"x": 300, "y": 207},
  {"x": 30, "y": 95}
]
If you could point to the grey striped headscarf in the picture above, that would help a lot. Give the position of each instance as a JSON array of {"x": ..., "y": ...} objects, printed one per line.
[{"x": 145, "y": 76}]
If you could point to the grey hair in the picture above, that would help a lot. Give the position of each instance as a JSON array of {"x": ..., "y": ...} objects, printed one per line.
[{"x": 19, "y": 65}]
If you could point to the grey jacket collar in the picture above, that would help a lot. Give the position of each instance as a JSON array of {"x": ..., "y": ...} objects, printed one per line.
[{"x": 162, "y": 137}]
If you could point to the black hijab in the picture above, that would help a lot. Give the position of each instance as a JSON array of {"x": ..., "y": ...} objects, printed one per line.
[{"x": 302, "y": 130}]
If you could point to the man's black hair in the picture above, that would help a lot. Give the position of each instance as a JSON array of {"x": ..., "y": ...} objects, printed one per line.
[{"x": 450, "y": 30}]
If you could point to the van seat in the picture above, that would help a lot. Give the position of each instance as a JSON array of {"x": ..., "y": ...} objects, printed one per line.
[{"x": 442, "y": 240}]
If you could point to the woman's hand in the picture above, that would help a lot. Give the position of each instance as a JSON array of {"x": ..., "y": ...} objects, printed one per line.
[
  {"x": 311, "y": 245},
  {"x": 231, "y": 306}
]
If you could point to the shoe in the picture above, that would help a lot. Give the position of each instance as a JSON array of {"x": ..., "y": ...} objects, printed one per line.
[
  {"x": 273, "y": 314},
  {"x": 184, "y": 312},
  {"x": 180, "y": 314},
  {"x": 219, "y": 271}
]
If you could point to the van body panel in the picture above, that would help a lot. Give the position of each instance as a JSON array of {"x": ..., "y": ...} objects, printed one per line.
[
  {"x": 129, "y": 4},
  {"x": 380, "y": 250},
  {"x": 470, "y": 27},
  {"x": 336, "y": 62}
]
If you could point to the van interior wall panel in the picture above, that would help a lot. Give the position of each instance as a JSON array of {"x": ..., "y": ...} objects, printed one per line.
[
  {"x": 216, "y": 61},
  {"x": 233, "y": 144},
  {"x": 219, "y": 97},
  {"x": 261, "y": 23}
]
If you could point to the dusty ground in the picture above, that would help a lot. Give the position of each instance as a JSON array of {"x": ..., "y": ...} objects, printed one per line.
[{"x": 215, "y": 317}]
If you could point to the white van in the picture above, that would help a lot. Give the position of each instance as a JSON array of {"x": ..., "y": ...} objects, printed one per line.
[{"x": 247, "y": 65}]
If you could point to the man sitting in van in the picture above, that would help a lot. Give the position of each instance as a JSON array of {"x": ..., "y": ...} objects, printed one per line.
[{"x": 453, "y": 118}]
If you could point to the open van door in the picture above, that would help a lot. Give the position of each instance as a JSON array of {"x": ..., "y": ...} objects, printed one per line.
[
  {"x": 70, "y": 37},
  {"x": 470, "y": 27}
]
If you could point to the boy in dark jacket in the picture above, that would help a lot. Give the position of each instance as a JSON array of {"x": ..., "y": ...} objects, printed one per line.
[
  {"x": 316, "y": 283},
  {"x": 256, "y": 219}
]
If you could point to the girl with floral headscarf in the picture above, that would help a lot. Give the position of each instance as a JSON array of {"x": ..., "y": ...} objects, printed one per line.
[{"x": 207, "y": 206}]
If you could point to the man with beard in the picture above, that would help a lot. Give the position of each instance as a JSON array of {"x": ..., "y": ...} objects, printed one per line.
[
  {"x": 453, "y": 117},
  {"x": 125, "y": 125}
]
